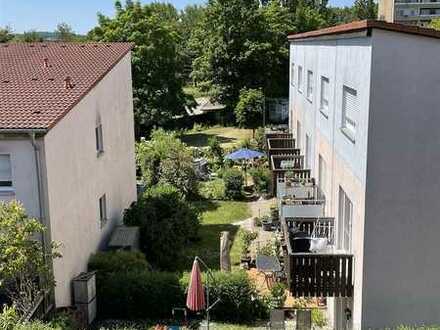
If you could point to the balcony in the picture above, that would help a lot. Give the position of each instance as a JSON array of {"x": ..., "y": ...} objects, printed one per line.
[
  {"x": 327, "y": 273},
  {"x": 280, "y": 146},
  {"x": 300, "y": 198}
]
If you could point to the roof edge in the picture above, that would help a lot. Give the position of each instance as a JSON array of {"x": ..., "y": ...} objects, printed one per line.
[{"x": 364, "y": 25}]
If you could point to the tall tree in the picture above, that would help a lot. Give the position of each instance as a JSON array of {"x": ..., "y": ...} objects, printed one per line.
[
  {"x": 339, "y": 15},
  {"x": 365, "y": 9},
  {"x": 5, "y": 34},
  {"x": 190, "y": 18},
  {"x": 249, "y": 109},
  {"x": 64, "y": 32},
  {"x": 308, "y": 18},
  {"x": 157, "y": 73}
]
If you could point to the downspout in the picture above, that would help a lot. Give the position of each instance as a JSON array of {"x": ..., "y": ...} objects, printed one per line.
[{"x": 41, "y": 208}]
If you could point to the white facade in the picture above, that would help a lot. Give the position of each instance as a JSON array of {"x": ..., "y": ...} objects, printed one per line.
[
  {"x": 75, "y": 175},
  {"x": 375, "y": 140}
]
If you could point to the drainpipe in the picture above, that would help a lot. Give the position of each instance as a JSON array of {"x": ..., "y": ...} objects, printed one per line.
[{"x": 41, "y": 210}]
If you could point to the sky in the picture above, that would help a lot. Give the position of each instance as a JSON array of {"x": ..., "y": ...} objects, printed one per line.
[{"x": 44, "y": 15}]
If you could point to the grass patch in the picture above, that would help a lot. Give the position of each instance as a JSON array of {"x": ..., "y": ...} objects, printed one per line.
[
  {"x": 217, "y": 216},
  {"x": 227, "y": 136}
]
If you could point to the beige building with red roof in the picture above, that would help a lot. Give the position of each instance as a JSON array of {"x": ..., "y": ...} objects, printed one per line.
[{"x": 67, "y": 143}]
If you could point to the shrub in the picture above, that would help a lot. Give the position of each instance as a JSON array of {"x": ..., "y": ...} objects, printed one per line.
[
  {"x": 215, "y": 149},
  {"x": 246, "y": 238},
  {"x": 233, "y": 183},
  {"x": 166, "y": 159},
  {"x": 214, "y": 189},
  {"x": 239, "y": 299},
  {"x": 261, "y": 177},
  {"x": 136, "y": 295},
  {"x": 260, "y": 138},
  {"x": 167, "y": 223},
  {"x": 277, "y": 295},
  {"x": 318, "y": 318},
  {"x": 8, "y": 318},
  {"x": 118, "y": 261}
]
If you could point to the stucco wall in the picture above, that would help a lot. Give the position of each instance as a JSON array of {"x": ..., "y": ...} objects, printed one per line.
[
  {"x": 77, "y": 177},
  {"x": 24, "y": 178},
  {"x": 344, "y": 62},
  {"x": 401, "y": 268}
]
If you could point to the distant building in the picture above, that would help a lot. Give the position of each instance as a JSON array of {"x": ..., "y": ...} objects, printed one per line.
[
  {"x": 412, "y": 12},
  {"x": 67, "y": 144},
  {"x": 364, "y": 108}
]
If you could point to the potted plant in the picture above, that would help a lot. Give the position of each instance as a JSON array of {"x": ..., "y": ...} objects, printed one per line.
[{"x": 246, "y": 240}]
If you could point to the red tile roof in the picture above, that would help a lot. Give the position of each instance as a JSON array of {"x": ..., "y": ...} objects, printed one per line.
[
  {"x": 33, "y": 95},
  {"x": 364, "y": 25}
]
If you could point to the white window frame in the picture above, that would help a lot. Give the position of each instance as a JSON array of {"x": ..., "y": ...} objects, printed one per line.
[
  {"x": 324, "y": 99},
  {"x": 345, "y": 222},
  {"x": 292, "y": 74},
  {"x": 102, "y": 203},
  {"x": 309, "y": 86},
  {"x": 298, "y": 134},
  {"x": 348, "y": 120},
  {"x": 7, "y": 187},
  {"x": 300, "y": 78},
  {"x": 99, "y": 138}
]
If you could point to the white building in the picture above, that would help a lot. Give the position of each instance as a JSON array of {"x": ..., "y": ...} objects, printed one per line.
[
  {"x": 67, "y": 143},
  {"x": 364, "y": 105},
  {"x": 414, "y": 12}
]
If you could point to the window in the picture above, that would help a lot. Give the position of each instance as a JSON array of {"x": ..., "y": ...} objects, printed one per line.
[
  {"x": 324, "y": 96},
  {"x": 345, "y": 222},
  {"x": 308, "y": 152},
  {"x": 310, "y": 85},
  {"x": 349, "y": 112},
  {"x": 99, "y": 138},
  {"x": 5, "y": 171},
  {"x": 298, "y": 134},
  {"x": 103, "y": 210},
  {"x": 300, "y": 78},
  {"x": 322, "y": 175},
  {"x": 292, "y": 74}
]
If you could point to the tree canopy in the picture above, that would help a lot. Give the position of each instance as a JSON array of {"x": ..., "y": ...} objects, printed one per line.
[{"x": 157, "y": 72}]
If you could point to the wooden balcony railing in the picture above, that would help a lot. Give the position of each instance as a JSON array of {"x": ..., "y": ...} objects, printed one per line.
[
  {"x": 316, "y": 274},
  {"x": 277, "y": 143},
  {"x": 287, "y": 162},
  {"x": 320, "y": 275},
  {"x": 279, "y": 135}
]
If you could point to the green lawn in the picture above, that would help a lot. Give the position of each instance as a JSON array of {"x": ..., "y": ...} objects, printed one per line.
[
  {"x": 217, "y": 216},
  {"x": 228, "y": 136}
]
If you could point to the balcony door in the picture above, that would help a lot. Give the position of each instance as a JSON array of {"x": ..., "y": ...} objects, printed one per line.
[
  {"x": 345, "y": 222},
  {"x": 298, "y": 134}
]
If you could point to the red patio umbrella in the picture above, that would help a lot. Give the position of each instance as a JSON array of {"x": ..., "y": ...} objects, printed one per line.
[{"x": 195, "y": 299}]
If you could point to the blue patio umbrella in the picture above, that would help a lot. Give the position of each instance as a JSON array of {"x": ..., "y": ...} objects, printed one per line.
[{"x": 244, "y": 154}]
